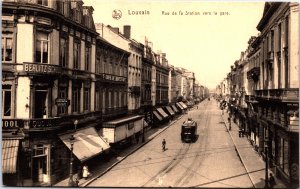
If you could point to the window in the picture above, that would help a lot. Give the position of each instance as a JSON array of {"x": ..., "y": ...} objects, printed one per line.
[
  {"x": 7, "y": 43},
  {"x": 87, "y": 58},
  {"x": 65, "y": 8},
  {"x": 98, "y": 64},
  {"x": 41, "y": 49},
  {"x": 6, "y": 100},
  {"x": 97, "y": 100},
  {"x": 63, "y": 94},
  {"x": 63, "y": 58},
  {"x": 76, "y": 98},
  {"x": 76, "y": 55},
  {"x": 43, "y": 2},
  {"x": 86, "y": 99}
]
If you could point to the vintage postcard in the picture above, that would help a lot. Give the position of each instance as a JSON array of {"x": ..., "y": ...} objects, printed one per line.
[{"x": 99, "y": 93}]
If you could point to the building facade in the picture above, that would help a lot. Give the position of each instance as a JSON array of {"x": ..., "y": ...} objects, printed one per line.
[
  {"x": 278, "y": 93},
  {"x": 48, "y": 82}
]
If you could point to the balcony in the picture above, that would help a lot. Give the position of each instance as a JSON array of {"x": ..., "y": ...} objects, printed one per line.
[
  {"x": 283, "y": 95},
  {"x": 249, "y": 98},
  {"x": 146, "y": 102},
  {"x": 41, "y": 124}
]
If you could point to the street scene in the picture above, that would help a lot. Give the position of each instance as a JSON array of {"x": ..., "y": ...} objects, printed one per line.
[{"x": 151, "y": 94}]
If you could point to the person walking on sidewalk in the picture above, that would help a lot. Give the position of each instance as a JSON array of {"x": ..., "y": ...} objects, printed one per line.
[
  {"x": 229, "y": 123},
  {"x": 85, "y": 172},
  {"x": 163, "y": 145},
  {"x": 272, "y": 182}
]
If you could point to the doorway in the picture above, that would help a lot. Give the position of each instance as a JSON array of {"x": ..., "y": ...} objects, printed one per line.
[
  {"x": 39, "y": 167},
  {"x": 40, "y": 103}
]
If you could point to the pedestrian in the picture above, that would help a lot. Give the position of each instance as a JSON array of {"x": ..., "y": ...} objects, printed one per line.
[
  {"x": 229, "y": 126},
  {"x": 272, "y": 182},
  {"x": 85, "y": 172},
  {"x": 163, "y": 145}
]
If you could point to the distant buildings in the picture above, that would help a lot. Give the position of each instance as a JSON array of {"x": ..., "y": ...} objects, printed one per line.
[{"x": 68, "y": 81}]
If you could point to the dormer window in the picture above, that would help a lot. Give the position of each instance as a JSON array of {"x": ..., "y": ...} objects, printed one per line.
[{"x": 43, "y": 2}]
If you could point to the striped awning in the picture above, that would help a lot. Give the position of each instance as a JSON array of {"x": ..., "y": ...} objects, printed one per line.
[
  {"x": 162, "y": 112},
  {"x": 174, "y": 108},
  {"x": 183, "y": 105},
  {"x": 87, "y": 143},
  {"x": 9, "y": 155},
  {"x": 179, "y": 105},
  {"x": 157, "y": 115},
  {"x": 169, "y": 109}
]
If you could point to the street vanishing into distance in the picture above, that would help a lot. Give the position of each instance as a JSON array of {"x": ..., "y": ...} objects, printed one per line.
[{"x": 212, "y": 161}]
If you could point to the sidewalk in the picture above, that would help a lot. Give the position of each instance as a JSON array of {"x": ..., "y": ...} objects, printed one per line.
[
  {"x": 100, "y": 168},
  {"x": 254, "y": 164}
]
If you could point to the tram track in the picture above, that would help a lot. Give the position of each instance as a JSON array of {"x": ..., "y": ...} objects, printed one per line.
[
  {"x": 178, "y": 157},
  {"x": 187, "y": 175}
]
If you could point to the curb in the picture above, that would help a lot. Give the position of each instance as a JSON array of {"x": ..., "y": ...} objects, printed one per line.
[{"x": 144, "y": 143}]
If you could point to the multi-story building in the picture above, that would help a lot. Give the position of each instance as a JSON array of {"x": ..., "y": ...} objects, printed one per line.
[
  {"x": 278, "y": 93},
  {"x": 162, "y": 81},
  {"x": 118, "y": 65},
  {"x": 271, "y": 86},
  {"x": 146, "y": 102},
  {"x": 48, "y": 81},
  {"x": 252, "y": 70},
  {"x": 111, "y": 80}
]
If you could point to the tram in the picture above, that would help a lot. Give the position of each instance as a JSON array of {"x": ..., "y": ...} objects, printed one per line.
[{"x": 189, "y": 131}]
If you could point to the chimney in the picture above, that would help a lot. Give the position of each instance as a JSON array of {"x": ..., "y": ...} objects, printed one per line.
[{"x": 127, "y": 31}]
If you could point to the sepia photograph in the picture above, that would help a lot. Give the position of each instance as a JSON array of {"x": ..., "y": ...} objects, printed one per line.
[{"x": 150, "y": 93}]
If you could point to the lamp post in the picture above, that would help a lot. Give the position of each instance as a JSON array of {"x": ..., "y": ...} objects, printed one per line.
[
  {"x": 266, "y": 171},
  {"x": 71, "y": 181},
  {"x": 143, "y": 137}
]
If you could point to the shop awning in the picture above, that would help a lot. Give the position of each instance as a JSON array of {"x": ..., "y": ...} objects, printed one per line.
[
  {"x": 121, "y": 121},
  {"x": 162, "y": 112},
  {"x": 87, "y": 143},
  {"x": 169, "y": 109},
  {"x": 174, "y": 108},
  {"x": 157, "y": 115},
  {"x": 183, "y": 105},
  {"x": 9, "y": 155},
  {"x": 180, "y": 106}
]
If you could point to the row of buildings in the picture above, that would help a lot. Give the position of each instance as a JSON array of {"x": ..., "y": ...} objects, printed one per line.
[
  {"x": 262, "y": 89},
  {"x": 70, "y": 86}
]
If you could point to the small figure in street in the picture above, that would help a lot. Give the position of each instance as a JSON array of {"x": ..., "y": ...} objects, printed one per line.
[
  {"x": 85, "y": 172},
  {"x": 272, "y": 182},
  {"x": 229, "y": 123},
  {"x": 163, "y": 145}
]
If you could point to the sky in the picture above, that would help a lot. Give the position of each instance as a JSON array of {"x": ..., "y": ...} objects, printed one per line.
[{"x": 194, "y": 34}]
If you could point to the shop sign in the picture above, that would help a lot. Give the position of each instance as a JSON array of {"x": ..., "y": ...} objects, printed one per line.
[
  {"x": 62, "y": 102},
  {"x": 42, "y": 123},
  {"x": 41, "y": 68},
  {"x": 12, "y": 123}
]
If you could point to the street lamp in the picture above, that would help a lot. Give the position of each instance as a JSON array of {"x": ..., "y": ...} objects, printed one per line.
[
  {"x": 143, "y": 137},
  {"x": 71, "y": 181},
  {"x": 266, "y": 171}
]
